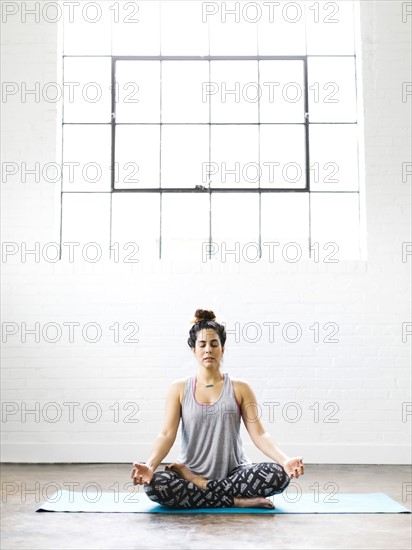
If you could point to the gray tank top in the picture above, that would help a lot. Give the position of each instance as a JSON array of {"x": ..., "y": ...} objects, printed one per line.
[{"x": 210, "y": 442}]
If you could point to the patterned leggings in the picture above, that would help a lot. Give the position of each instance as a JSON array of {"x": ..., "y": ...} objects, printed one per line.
[{"x": 259, "y": 479}]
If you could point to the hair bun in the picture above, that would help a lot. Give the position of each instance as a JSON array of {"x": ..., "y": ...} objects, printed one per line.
[{"x": 204, "y": 315}]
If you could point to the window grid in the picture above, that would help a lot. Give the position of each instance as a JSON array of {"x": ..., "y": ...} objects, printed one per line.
[{"x": 208, "y": 189}]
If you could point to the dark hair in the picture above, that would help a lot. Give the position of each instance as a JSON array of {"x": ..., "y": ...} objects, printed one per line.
[{"x": 205, "y": 318}]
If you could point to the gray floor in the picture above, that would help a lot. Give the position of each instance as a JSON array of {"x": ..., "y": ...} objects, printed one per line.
[{"x": 23, "y": 528}]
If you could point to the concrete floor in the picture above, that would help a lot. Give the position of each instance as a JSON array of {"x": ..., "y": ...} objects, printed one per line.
[{"x": 23, "y": 528}]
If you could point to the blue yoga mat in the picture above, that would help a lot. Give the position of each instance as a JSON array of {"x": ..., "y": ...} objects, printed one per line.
[{"x": 305, "y": 503}]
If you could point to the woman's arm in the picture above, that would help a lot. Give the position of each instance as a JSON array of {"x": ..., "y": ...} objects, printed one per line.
[
  {"x": 161, "y": 447},
  {"x": 265, "y": 443},
  {"x": 164, "y": 441},
  {"x": 260, "y": 437},
  {"x": 167, "y": 435}
]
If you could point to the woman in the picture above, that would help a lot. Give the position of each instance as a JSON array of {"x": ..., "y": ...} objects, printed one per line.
[{"x": 212, "y": 469}]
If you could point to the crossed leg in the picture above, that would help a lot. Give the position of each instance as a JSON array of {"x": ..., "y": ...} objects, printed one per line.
[
  {"x": 246, "y": 486},
  {"x": 251, "y": 484},
  {"x": 171, "y": 489}
]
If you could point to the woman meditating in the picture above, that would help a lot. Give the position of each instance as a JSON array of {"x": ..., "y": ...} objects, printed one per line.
[{"x": 212, "y": 470}]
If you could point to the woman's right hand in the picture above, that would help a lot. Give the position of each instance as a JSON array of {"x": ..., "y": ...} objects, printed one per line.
[{"x": 141, "y": 473}]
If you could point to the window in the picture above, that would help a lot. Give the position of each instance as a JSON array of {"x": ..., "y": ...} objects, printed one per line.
[{"x": 192, "y": 126}]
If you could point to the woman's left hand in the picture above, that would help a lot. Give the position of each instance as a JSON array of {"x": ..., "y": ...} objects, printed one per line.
[{"x": 294, "y": 467}]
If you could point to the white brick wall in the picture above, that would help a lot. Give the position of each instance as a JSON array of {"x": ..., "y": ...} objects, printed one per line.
[{"x": 365, "y": 377}]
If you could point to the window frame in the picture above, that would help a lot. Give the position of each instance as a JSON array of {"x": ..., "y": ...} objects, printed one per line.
[{"x": 209, "y": 58}]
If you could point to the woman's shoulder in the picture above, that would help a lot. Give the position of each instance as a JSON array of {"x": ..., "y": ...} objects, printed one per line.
[
  {"x": 240, "y": 387},
  {"x": 178, "y": 385},
  {"x": 240, "y": 382}
]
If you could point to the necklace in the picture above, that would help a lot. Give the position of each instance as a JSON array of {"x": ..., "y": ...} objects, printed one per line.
[{"x": 208, "y": 385}]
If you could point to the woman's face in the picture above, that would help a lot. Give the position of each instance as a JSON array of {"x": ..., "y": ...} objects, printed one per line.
[{"x": 208, "y": 348}]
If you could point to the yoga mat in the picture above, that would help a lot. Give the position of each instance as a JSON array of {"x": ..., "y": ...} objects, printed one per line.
[{"x": 347, "y": 503}]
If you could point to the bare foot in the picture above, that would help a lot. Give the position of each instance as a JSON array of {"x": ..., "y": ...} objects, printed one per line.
[
  {"x": 181, "y": 469},
  {"x": 255, "y": 502},
  {"x": 186, "y": 473}
]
